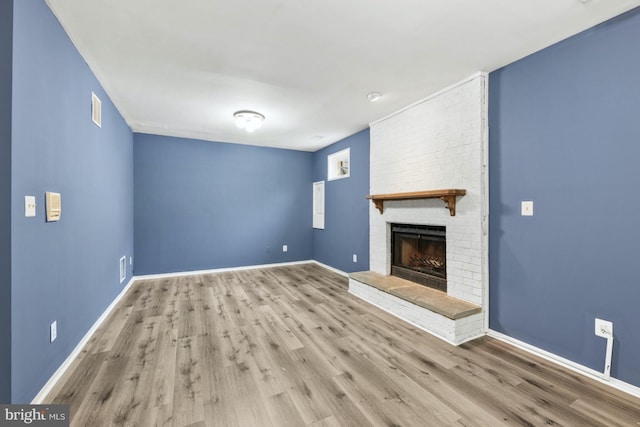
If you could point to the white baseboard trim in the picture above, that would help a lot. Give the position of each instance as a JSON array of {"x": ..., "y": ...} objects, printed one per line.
[
  {"x": 218, "y": 270},
  {"x": 566, "y": 363},
  {"x": 76, "y": 351},
  {"x": 335, "y": 270}
]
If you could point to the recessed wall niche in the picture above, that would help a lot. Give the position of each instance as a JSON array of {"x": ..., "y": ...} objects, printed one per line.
[{"x": 338, "y": 165}]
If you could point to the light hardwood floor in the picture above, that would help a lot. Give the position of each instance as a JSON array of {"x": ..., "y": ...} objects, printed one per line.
[{"x": 288, "y": 346}]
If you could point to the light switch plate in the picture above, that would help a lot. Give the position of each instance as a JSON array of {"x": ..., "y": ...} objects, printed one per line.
[
  {"x": 53, "y": 205},
  {"x": 29, "y": 206},
  {"x": 527, "y": 208}
]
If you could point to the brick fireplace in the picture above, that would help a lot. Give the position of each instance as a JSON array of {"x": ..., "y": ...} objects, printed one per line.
[{"x": 438, "y": 143}]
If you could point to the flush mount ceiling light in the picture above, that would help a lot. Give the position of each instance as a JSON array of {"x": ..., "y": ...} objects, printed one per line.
[
  {"x": 373, "y": 96},
  {"x": 248, "y": 120}
]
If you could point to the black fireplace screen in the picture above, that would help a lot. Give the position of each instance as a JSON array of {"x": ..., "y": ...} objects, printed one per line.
[{"x": 419, "y": 254}]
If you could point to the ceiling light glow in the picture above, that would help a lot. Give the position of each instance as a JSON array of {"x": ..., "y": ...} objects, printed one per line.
[{"x": 248, "y": 120}]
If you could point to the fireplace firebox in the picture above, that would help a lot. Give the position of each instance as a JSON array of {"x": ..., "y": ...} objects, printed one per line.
[{"x": 419, "y": 254}]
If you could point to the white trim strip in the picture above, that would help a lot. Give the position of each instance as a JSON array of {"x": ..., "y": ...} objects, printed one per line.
[
  {"x": 566, "y": 363},
  {"x": 76, "y": 351}
]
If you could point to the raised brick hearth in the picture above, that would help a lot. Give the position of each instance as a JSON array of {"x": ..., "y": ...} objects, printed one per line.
[{"x": 434, "y": 311}]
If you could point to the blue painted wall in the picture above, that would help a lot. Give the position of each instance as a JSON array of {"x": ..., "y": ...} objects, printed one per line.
[
  {"x": 205, "y": 205},
  {"x": 6, "y": 62},
  {"x": 346, "y": 229},
  {"x": 565, "y": 132},
  {"x": 68, "y": 270}
]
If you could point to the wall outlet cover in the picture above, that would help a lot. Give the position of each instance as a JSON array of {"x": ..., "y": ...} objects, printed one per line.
[
  {"x": 526, "y": 208},
  {"x": 285, "y": 248},
  {"x": 604, "y": 328}
]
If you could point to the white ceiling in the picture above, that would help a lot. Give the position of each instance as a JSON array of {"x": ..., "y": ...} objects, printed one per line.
[{"x": 182, "y": 67}]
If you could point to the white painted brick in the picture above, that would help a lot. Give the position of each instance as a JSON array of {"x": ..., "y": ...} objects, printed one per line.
[{"x": 435, "y": 144}]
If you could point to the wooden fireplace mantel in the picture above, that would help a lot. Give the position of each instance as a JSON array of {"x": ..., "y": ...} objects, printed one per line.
[{"x": 448, "y": 196}]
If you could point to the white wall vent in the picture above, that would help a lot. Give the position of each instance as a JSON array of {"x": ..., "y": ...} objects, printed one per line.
[
  {"x": 96, "y": 110},
  {"x": 123, "y": 269}
]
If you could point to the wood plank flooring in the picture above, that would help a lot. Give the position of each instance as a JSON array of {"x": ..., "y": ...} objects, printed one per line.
[{"x": 288, "y": 346}]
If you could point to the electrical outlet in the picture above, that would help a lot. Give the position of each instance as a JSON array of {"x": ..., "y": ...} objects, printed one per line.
[
  {"x": 355, "y": 258},
  {"x": 284, "y": 248},
  {"x": 53, "y": 329},
  {"x": 604, "y": 328},
  {"x": 526, "y": 208}
]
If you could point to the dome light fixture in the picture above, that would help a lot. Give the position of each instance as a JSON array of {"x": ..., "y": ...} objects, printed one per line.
[{"x": 248, "y": 120}]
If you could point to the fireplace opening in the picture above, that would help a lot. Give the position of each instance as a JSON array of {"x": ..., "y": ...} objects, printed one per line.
[{"x": 419, "y": 254}]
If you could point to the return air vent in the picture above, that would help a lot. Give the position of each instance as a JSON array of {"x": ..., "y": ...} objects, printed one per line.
[
  {"x": 96, "y": 110},
  {"x": 123, "y": 269}
]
